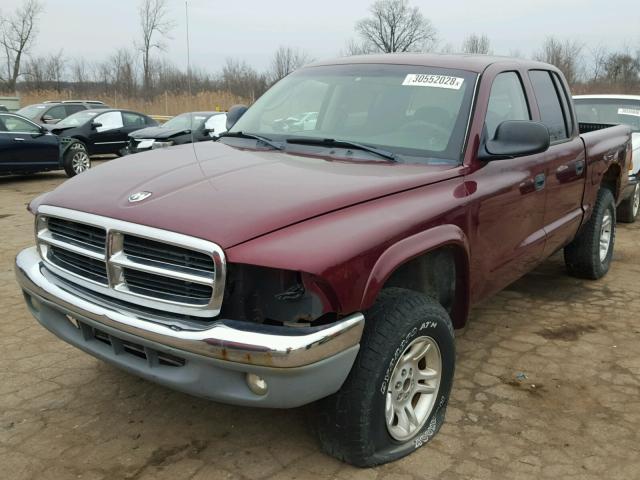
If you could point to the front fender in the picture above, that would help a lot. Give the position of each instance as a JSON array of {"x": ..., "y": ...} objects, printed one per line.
[{"x": 416, "y": 245}]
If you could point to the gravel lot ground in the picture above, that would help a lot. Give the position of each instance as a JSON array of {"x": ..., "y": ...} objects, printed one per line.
[{"x": 547, "y": 386}]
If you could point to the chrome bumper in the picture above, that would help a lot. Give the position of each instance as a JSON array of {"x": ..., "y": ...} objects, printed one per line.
[{"x": 234, "y": 341}]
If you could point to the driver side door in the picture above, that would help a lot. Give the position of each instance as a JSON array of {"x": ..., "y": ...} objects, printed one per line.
[
  {"x": 508, "y": 217},
  {"x": 107, "y": 137}
]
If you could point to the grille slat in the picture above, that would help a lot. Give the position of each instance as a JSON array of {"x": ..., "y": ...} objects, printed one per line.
[
  {"x": 162, "y": 252},
  {"x": 79, "y": 264},
  {"x": 80, "y": 234},
  {"x": 148, "y": 282}
]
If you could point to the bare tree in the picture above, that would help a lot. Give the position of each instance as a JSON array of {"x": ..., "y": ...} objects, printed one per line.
[
  {"x": 355, "y": 47},
  {"x": 285, "y": 61},
  {"x": 623, "y": 69},
  {"x": 242, "y": 80},
  {"x": 566, "y": 55},
  {"x": 17, "y": 33},
  {"x": 475, "y": 43},
  {"x": 394, "y": 26},
  {"x": 155, "y": 26},
  {"x": 599, "y": 55}
]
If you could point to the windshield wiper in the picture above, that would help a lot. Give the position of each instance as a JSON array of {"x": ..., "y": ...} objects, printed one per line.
[
  {"x": 265, "y": 140},
  {"x": 330, "y": 142}
]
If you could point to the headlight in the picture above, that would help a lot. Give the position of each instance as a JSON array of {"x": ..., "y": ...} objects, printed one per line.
[{"x": 157, "y": 144}]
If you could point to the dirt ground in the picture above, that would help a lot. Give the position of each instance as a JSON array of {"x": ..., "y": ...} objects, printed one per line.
[{"x": 547, "y": 386}]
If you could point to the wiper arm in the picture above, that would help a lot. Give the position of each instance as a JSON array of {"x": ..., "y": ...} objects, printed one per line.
[
  {"x": 330, "y": 142},
  {"x": 260, "y": 138}
]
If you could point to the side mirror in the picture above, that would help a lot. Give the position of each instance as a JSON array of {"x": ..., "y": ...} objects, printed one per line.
[
  {"x": 95, "y": 125},
  {"x": 516, "y": 138},
  {"x": 234, "y": 114},
  {"x": 48, "y": 119}
]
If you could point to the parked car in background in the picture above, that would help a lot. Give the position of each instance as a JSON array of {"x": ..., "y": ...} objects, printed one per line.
[
  {"x": 102, "y": 131},
  {"x": 51, "y": 112},
  {"x": 618, "y": 109},
  {"x": 276, "y": 269},
  {"x": 3, "y": 108},
  {"x": 184, "y": 128},
  {"x": 26, "y": 147}
]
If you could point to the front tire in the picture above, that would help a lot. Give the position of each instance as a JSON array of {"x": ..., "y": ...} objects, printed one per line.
[
  {"x": 395, "y": 396},
  {"x": 76, "y": 159},
  {"x": 629, "y": 208},
  {"x": 589, "y": 254}
]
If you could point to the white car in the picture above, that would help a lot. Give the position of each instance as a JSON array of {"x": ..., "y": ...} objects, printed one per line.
[{"x": 617, "y": 109}]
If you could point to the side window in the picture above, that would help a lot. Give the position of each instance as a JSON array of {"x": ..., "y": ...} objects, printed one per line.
[
  {"x": 56, "y": 113},
  {"x": 133, "y": 120},
  {"x": 566, "y": 104},
  {"x": 218, "y": 123},
  {"x": 109, "y": 121},
  {"x": 19, "y": 125},
  {"x": 551, "y": 113},
  {"x": 71, "y": 109},
  {"x": 507, "y": 101}
]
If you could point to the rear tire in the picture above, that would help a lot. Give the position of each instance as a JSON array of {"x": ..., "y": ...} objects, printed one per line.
[
  {"x": 589, "y": 254},
  {"x": 76, "y": 159},
  {"x": 405, "y": 364},
  {"x": 629, "y": 208}
]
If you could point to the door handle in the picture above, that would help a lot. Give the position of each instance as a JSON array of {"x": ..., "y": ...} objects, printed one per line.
[
  {"x": 579, "y": 167},
  {"x": 18, "y": 139}
]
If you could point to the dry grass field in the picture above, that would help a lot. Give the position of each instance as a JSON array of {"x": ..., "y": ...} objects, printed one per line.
[{"x": 164, "y": 104}]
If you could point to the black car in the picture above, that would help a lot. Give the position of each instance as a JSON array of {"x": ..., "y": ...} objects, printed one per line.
[
  {"x": 54, "y": 111},
  {"x": 102, "y": 131},
  {"x": 184, "y": 128},
  {"x": 26, "y": 147}
]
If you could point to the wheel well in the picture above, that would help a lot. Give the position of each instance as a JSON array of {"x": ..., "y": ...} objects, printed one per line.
[
  {"x": 611, "y": 180},
  {"x": 441, "y": 274}
]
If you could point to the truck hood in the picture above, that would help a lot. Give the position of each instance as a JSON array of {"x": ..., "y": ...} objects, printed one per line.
[
  {"x": 226, "y": 195},
  {"x": 158, "y": 133}
]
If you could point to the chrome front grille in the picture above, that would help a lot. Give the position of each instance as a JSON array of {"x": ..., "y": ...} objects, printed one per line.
[{"x": 142, "y": 265}]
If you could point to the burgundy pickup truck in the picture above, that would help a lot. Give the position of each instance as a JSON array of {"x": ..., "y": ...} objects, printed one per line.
[{"x": 330, "y": 257}]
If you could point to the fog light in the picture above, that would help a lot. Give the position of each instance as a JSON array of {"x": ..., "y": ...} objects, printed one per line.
[{"x": 257, "y": 384}]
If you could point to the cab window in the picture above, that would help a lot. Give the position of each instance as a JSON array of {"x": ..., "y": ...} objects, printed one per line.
[
  {"x": 507, "y": 101},
  {"x": 551, "y": 112}
]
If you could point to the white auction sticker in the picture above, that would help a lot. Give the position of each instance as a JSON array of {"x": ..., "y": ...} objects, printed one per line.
[
  {"x": 629, "y": 111},
  {"x": 437, "y": 81}
]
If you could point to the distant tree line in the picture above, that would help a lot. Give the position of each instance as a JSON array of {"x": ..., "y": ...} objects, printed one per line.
[{"x": 391, "y": 26}]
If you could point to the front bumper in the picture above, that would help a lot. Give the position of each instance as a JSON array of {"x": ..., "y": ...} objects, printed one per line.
[{"x": 299, "y": 365}]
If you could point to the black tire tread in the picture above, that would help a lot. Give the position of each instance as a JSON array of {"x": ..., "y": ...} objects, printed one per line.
[
  {"x": 340, "y": 435},
  {"x": 581, "y": 255},
  {"x": 625, "y": 210}
]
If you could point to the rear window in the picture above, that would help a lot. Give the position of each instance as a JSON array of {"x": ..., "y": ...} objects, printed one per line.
[{"x": 551, "y": 113}]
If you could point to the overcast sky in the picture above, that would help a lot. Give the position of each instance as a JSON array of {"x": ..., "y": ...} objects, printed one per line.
[{"x": 252, "y": 29}]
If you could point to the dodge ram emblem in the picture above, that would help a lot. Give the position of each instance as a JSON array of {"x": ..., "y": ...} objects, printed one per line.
[{"x": 138, "y": 196}]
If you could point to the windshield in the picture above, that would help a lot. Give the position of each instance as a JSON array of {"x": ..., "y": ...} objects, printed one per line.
[
  {"x": 32, "y": 111},
  {"x": 609, "y": 110},
  {"x": 408, "y": 110},
  {"x": 76, "y": 119},
  {"x": 186, "y": 121}
]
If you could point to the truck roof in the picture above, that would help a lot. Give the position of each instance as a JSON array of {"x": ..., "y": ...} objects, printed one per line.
[
  {"x": 608, "y": 96},
  {"x": 470, "y": 62}
]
